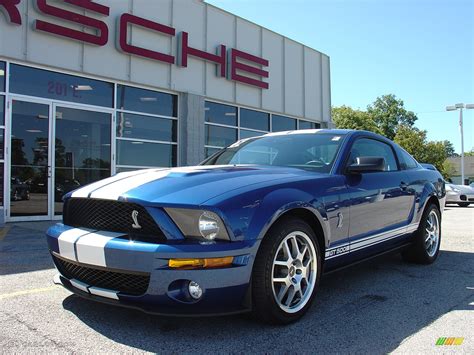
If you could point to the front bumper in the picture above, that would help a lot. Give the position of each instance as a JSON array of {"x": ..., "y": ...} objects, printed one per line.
[
  {"x": 458, "y": 197},
  {"x": 225, "y": 290}
]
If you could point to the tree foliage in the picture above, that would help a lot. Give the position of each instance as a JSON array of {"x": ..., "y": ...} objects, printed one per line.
[
  {"x": 348, "y": 118},
  {"x": 389, "y": 113},
  {"x": 388, "y": 116}
]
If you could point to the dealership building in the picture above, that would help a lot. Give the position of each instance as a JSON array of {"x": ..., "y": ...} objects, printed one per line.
[{"x": 92, "y": 88}]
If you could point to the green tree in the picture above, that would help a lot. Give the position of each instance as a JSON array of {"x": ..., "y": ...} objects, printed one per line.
[
  {"x": 449, "y": 148},
  {"x": 414, "y": 141},
  {"x": 470, "y": 153},
  {"x": 389, "y": 113},
  {"x": 347, "y": 118}
]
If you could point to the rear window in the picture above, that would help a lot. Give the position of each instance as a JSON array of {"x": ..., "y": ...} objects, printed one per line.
[{"x": 407, "y": 161}]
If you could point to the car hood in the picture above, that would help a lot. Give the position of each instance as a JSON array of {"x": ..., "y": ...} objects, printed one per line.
[
  {"x": 185, "y": 186},
  {"x": 464, "y": 189}
]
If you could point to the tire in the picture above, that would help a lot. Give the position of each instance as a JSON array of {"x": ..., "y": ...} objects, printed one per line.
[
  {"x": 463, "y": 204},
  {"x": 424, "y": 251},
  {"x": 302, "y": 272}
]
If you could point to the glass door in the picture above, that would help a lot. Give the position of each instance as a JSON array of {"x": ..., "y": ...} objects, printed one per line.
[
  {"x": 30, "y": 160},
  {"x": 82, "y": 152}
]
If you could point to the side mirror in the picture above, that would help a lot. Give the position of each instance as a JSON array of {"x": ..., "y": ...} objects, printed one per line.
[{"x": 367, "y": 164}]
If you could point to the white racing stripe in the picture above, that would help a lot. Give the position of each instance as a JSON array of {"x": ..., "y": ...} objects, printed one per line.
[
  {"x": 66, "y": 242},
  {"x": 103, "y": 292},
  {"x": 86, "y": 190},
  {"x": 80, "y": 285},
  {"x": 114, "y": 190},
  {"x": 91, "y": 247}
]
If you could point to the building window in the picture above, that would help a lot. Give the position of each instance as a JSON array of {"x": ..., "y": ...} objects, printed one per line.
[
  {"x": 48, "y": 84},
  {"x": 282, "y": 123},
  {"x": 147, "y": 101},
  {"x": 146, "y": 129},
  {"x": 221, "y": 114},
  {"x": 2, "y": 76},
  {"x": 308, "y": 125},
  {"x": 254, "y": 120}
]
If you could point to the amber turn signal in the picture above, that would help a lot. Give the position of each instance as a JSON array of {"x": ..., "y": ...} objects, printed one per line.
[{"x": 200, "y": 263}]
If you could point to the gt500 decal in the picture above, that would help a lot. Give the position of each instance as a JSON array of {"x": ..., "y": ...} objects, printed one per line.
[{"x": 337, "y": 251}]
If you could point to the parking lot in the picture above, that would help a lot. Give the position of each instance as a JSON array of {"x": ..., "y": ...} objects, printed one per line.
[{"x": 383, "y": 305}]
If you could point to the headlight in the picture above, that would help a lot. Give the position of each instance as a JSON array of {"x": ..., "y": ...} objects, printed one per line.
[
  {"x": 198, "y": 223},
  {"x": 456, "y": 190}
]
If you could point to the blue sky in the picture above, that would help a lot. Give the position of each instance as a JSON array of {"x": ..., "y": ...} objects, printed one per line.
[{"x": 420, "y": 50}]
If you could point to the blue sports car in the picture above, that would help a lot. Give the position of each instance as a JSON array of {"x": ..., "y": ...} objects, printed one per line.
[{"x": 252, "y": 228}]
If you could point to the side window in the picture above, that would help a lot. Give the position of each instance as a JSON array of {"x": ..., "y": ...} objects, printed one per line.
[
  {"x": 407, "y": 161},
  {"x": 366, "y": 147}
]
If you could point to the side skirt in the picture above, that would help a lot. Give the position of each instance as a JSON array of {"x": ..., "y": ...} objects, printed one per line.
[{"x": 389, "y": 251}]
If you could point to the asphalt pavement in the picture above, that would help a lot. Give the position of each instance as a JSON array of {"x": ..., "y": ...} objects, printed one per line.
[{"x": 380, "y": 306}]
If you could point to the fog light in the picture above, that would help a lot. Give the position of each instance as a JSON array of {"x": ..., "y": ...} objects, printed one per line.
[{"x": 195, "y": 290}]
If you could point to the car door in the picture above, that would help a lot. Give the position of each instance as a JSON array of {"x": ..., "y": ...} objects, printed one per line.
[{"x": 378, "y": 200}]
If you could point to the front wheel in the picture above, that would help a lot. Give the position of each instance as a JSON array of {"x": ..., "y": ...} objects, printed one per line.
[
  {"x": 425, "y": 247},
  {"x": 286, "y": 272}
]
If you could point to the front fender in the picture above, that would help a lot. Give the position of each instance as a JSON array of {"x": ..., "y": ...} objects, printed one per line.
[{"x": 281, "y": 201}]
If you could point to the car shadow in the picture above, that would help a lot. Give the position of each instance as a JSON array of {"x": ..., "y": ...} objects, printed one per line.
[
  {"x": 23, "y": 248},
  {"x": 371, "y": 307}
]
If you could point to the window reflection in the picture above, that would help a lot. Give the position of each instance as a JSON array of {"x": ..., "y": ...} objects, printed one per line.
[
  {"x": 44, "y": 83},
  {"x": 282, "y": 123},
  {"x": 2, "y": 110},
  {"x": 2, "y": 76},
  {"x": 138, "y": 153},
  {"x": 82, "y": 152},
  {"x": 219, "y": 113},
  {"x": 29, "y": 159},
  {"x": 146, "y": 127},
  {"x": 148, "y": 101},
  {"x": 309, "y": 125},
  {"x": 254, "y": 119},
  {"x": 220, "y": 136}
]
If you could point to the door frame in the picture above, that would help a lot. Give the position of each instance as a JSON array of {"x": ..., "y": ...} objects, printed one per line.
[
  {"x": 52, "y": 104},
  {"x": 7, "y": 185}
]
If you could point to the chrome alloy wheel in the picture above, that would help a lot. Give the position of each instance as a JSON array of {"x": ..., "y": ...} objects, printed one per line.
[
  {"x": 294, "y": 272},
  {"x": 432, "y": 233}
]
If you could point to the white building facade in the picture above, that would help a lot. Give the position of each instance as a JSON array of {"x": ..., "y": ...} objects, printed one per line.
[{"x": 92, "y": 88}]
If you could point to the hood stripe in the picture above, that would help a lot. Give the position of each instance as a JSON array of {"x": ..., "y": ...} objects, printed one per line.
[
  {"x": 87, "y": 190},
  {"x": 115, "y": 190}
]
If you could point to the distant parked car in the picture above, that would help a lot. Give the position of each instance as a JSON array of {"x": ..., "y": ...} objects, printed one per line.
[
  {"x": 461, "y": 195},
  {"x": 429, "y": 166},
  {"x": 19, "y": 190}
]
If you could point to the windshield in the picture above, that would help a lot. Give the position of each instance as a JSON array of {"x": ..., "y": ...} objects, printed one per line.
[{"x": 315, "y": 151}]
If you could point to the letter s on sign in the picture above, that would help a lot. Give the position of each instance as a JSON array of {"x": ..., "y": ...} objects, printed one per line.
[
  {"x": 10, "y": 10},
  {"x": 99, "y": 39}
]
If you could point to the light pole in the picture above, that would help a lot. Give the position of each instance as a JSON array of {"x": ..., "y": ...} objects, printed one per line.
[{"x": 460, "y": 107}]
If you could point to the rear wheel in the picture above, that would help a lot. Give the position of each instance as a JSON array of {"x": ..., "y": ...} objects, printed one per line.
[
  {"x": 425, "y": 247},
  {"x": 286, "y": 272},
  {"x": 463, "y": 204}
]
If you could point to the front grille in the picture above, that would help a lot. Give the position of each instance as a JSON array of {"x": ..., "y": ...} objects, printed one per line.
[
  {"x": 113, "y": 216},
  {"x": 131, "y": 284}
]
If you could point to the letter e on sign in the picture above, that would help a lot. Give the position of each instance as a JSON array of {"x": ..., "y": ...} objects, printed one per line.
[{"x": 234, "y": 68}]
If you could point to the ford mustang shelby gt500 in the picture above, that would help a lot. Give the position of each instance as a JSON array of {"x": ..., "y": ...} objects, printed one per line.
[{"x": 251, "y": 228}]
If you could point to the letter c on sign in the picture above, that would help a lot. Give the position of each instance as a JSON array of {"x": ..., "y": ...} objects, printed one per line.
[{"x": 10, "y": 10}]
